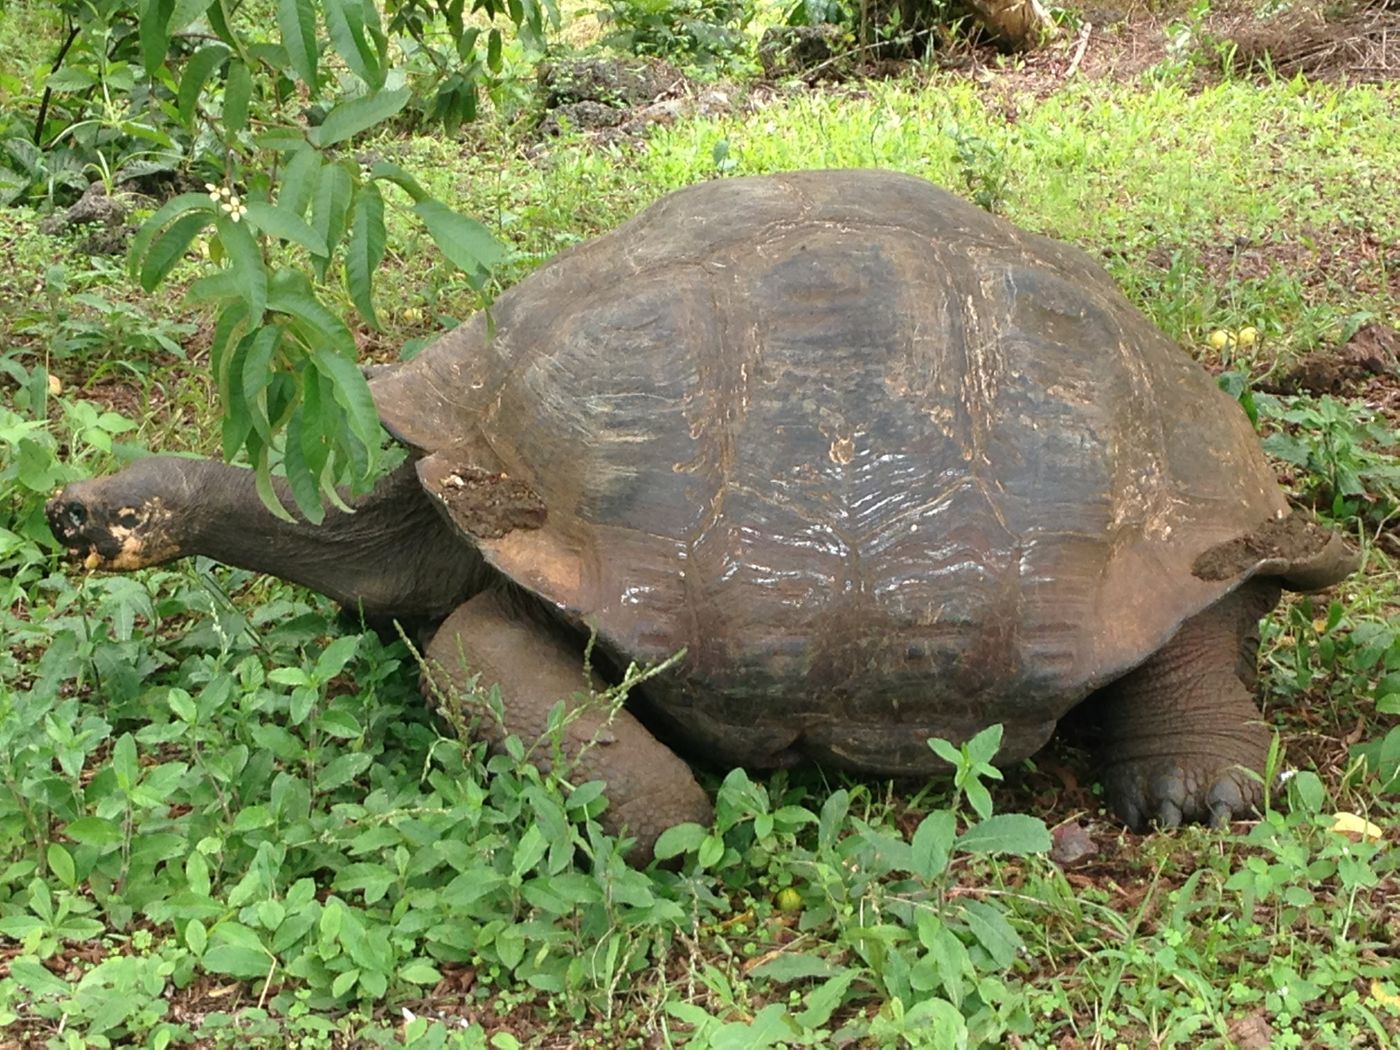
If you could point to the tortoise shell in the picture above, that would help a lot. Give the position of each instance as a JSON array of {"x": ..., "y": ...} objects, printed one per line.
[{"x": 884, "y": 465}]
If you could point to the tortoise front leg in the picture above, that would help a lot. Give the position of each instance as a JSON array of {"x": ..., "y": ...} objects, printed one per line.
[
  {"x": 1178, "y": 733},
  {"x": 649, "y": 788}
]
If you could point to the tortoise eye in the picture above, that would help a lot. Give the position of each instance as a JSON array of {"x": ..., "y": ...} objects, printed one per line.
[
  {"x": 76, "y": 514},
  {"x": 128, "y": 519}
]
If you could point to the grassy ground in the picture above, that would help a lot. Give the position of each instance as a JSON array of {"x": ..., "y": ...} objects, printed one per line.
[{"x": 226, "y": 819}]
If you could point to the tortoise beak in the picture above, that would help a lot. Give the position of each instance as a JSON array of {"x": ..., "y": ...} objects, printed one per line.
[{"x": 73, "y": 526}]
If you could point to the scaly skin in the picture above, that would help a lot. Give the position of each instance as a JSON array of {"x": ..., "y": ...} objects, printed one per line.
[{"x": 1179, "y": 733}]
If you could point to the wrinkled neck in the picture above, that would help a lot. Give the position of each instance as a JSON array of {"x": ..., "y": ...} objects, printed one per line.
[{"x": 394, "y": 556}]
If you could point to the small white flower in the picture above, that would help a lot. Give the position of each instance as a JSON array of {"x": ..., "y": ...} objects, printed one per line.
[{"x": 233, "y": 200}]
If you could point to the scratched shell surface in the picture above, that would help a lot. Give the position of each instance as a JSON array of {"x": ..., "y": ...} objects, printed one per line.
[{"x": 884, "y": 465}]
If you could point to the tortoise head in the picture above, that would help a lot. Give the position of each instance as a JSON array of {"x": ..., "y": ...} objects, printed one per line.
[{"x": 129, "y": 520}]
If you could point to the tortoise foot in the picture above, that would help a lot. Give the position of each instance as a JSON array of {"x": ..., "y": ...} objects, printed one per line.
[{"x": 1171, "y": 791}]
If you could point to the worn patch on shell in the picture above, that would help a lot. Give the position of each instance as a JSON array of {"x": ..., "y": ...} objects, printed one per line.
[
  {"x": 842, "y": 451},
  {"x": 543, "y": 562},
  {"x": 484, "y": 504},
  {"x": 1289, "y": 540}
]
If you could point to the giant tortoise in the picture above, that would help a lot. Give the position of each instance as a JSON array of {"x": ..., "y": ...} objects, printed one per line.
[{"x": 883, "y": 465}]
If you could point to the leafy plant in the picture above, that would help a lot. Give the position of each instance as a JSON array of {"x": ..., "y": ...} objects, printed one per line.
[
  {"x": 704, "y": 31},
  {"x": 1343, "y": 450}
]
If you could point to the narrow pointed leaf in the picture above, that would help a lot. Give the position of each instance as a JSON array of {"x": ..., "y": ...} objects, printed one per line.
[
  {"x": 350, "y": 118},
  {"x": 297, "y": 21},
  {"x": 330, "y": 210},
  {"x": 278, "y": 221},
  {"x": 238, "y": 88},
  {"x": 467, "y": 244},
  {"x": 385, "y": 169},
  {"x": 299, "y": 179},
  {"x": 345, "y": 23},
  {"x": 154, "y": 32},
  {"x": 246, "y": 265},
  {"x": 170, "y": 245},
  {"x": 198, "y": 70},
  {"x": 163, "y": 216},
  {"x": 365, "y": 250}
]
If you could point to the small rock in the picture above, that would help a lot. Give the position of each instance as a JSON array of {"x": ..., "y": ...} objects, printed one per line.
[
  {"x": 613, "y": 81},
  {"x": 788, "y": 51},
  {"x": 586, "y": 115},
  {"x": 93, "y": 206},
  {"x": 1251, "y": 1032},
  {"x": 1071, "y": 844}
]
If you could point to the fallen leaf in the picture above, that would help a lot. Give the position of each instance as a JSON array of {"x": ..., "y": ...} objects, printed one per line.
[
  {"x": 1356, "y": 828},
  {"x": 1381, "y": 994}
]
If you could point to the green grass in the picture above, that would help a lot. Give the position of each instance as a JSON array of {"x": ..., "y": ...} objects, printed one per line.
[{"x": 216, "y": 796}]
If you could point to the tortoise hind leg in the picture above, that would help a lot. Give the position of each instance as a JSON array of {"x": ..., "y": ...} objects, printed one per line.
[
  {"x": 1178, "y": 733},
  {"x": 648, "y": 787}
]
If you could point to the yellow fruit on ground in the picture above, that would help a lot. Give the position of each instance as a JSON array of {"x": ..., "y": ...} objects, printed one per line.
[
  {"x": 789, "y": 900},
  {"x": 55, "y": 386},
  {"x": 1218, "y": 339},
  {"x": 1247, "y": 336}
]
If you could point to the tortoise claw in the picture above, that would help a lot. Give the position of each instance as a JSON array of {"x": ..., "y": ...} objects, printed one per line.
[{"x": 1171, "y": 792}]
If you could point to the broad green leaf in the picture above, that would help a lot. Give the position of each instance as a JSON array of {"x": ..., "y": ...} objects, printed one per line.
[
  {"x": 186, "y": 11},
  {"x": 70, "y": 78},
  {"x": 247, "y": 266},
  {"x": 291, "y": 293},
  {"x": 298, "y": 183},
  {"x": 299, "y": 467},
  {"x": 154, "y": 32},
  {"x": 351, "y": 392},
  {"x": 530, "y": 850},
  {"x": 330, "y": 210},
  {"x": 237, "y": 961},
  {"x": 93, "y": 831},
  {"x": 163, "y": 216},
  {"x": 345, "y": 21},
  {"x": 510, "y": 946},
  {"x": 238, "y": 89},
  {"x": 342, "y": 770},
  {"x": 824, "y": 1000},
  {"x": 933, "y": 840},
  {"x": 466, "y": 243},
  {"x": 358, "y": 114},
  {"x": 196, "y": 937},
  {"x": 983, "y": 747},
  {"x": 170, "y": 245},
  {"x": 277, "y": 221},
  {"x": 297, "y": 21},
  {"x": 335, "y": 656},
  {"x": 341, "y": 724},
  {"x": 992, "y": 931},
  {"x": 257, "y": 374},
  {"x": 60, "y": 862},
  {"x": 493, "y": 51},
  {"x": 678, "y": 839},
  {"x": 267, "y": 493},
  {"x": 344, "y": 982},
  {"x": 794, "y": 966},
  {"x": 125, "y": 763},
  {"x": 217, "y": 287},
  {"x": 391, "y": 172},
  {"x": 366, "y": 249},
  {"x": 198, "y": 70},
  {"x": 1015, "y": 833},
  {"x": 419, "y": 971}
]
